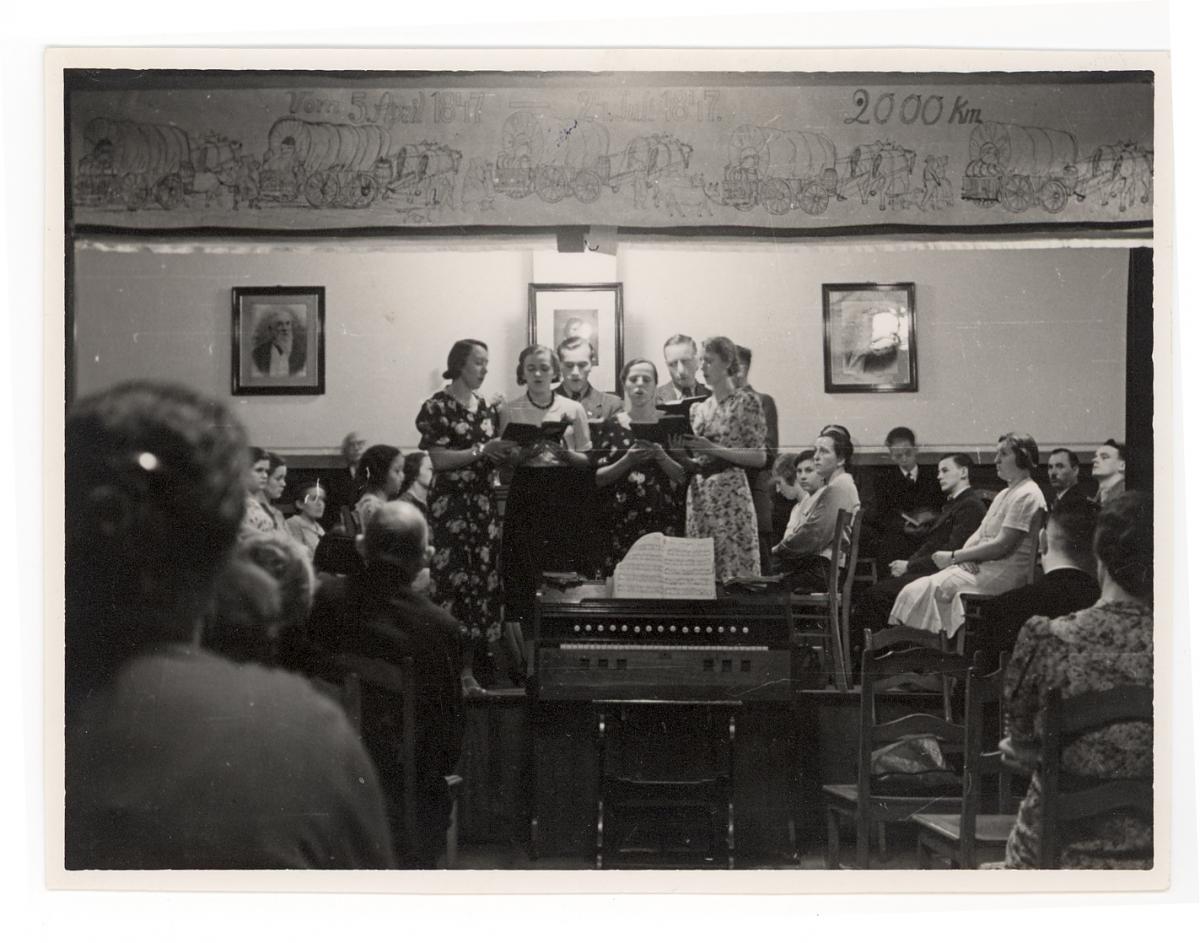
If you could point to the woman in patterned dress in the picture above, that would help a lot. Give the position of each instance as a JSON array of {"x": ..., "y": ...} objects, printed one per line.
[
  {"x": 640, "y": 481},
  {"x": 458, "y": 429},
  {"x": 730, "y": 436},
  {"x": 1109, "y": 645},
  {"x": 257, "y": 519}
]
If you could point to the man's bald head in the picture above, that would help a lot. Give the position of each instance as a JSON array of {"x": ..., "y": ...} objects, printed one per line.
[{"x": 397, "y": 535}]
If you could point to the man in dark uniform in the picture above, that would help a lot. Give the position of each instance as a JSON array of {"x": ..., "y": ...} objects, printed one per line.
[
  {"x": 906, "y": 498},
  {"x": 575, "y": 356},
  {"x": 1062, "y": 468}
]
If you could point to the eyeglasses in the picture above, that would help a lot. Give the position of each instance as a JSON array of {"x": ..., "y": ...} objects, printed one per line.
[{"x": 314, "y": 499}]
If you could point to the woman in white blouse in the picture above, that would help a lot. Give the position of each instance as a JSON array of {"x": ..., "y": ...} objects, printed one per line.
[{"x": 995, "y": 559}]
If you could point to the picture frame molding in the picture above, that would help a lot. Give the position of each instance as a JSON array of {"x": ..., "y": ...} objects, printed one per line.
[
  {"x": 242, "y": 386},
  {"x": 617, "y": 288},
  {"x": 828, "y": 289}
]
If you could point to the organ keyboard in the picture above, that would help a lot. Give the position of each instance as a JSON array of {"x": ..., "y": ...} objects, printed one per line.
[{"x": 591, "y": 648}]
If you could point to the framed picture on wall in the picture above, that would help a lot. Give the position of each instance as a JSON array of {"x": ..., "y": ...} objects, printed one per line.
[
  {"x": 593, "y": 312},
  {"x": 870, "y": 337},
  {"x": 278, "y": 341}
]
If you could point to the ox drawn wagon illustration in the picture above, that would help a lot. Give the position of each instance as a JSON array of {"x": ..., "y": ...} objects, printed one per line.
[{"x": 1020, "y": 167}]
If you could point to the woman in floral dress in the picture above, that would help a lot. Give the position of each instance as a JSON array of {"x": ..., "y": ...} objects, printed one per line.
[
  {"x": 458, "y": 429},
  {"x": 641, "y": 484},
  {"x": 730, "y": 436},
  {"x": 1109, "y": 645}
]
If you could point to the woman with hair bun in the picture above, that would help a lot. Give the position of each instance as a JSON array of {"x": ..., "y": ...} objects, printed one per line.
[
  {"x": 459, "y": 431},
  {"x": 1109, "y": 645},
  {"x": 995, "y": 559},
  {"x": 380, "y": 471}
]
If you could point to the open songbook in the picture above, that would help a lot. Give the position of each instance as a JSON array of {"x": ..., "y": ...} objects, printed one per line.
[
  {"x": 524, "y": 433},
  {"x": 681, "y": 407},
  {"x": 660, "y": 567},
  {"x": 661, "y": 431}
]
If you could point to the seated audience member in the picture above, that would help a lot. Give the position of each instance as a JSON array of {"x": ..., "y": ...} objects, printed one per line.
[
  {"x": 995, "y": 559},
  {"x": 797, "y": 481},
  {"x": 1108, "y": 468},
  {"x": 305, "y": 525},
  {"x": 276, "y": 484},
  {"x": 803, "y": 556},
  {"x": 762, "y": 482},
  {"x": 341, "y": 484},
  {"x": 907, "y": 499},
  {"x": 959, "y": 518},
  {"x": 380, "y": 473},
  {"x": 575, "y": 357},
  {"x": 1109, "y": 645},
  {"x": 1067, "y": 583},
  {"x": 1062, "y": 469},
  {"x": 683, "y": 362},
  {"x": 155, "y": 492},
  {"x": 377, "y": 613},
  {"x": 287, "y": 562},
  {"x": 418, "y": 478},
  {"x": 256, "y": 519},
  {"x": 243, "y": 624}
]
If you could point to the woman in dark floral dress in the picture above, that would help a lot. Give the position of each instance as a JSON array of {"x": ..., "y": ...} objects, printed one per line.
[
  {"x": 458, "y": 430},
  {"x": 1109, "y": 645},
  {"x": 641, "y": 485}
]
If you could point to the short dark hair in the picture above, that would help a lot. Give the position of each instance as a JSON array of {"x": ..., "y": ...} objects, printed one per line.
[
  {"x": 1076, "y": 518},
  {"x": 307, "y": 483},
  {"x": 898, "y": 434},
  {"x": 1119, "y": 446},
  {"x": 155, "y": 494},
  {"x": 1024, "y": 448},
  {"x": 555, "y": 363},
  {"x": 679, "y": 339},
  {"x": 374, "y": 464},
  {"x": 1125, "y": 542},
  {"x": 745, "y": 355},
  {"x": 836, "y": 427},
  {"x": 806, "y": 455},
  {"x": 257, "y": 455},
  {"x": 1072, "y": 458},
  {"x": 458, "y": 356},
  {"x": 961, "y": 459},
  {"x": 275, "y": 460},
  {"x": 570, "y": 343}
]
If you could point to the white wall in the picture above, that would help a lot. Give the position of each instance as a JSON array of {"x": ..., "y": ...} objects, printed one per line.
[{"x": 1007, "y": 338}]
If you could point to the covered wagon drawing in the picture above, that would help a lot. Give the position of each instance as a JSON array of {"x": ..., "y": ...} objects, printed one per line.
[
  {"x": 328, "y": 164},
  {"x": 128, "y": 163},
  {"x": 1019, "y": 167},
  {"x": 780, "y": 170},
  {"x": 552, "y": 157}
]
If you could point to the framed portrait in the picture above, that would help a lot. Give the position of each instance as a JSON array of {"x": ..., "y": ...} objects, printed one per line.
[
  {"x": 870, "y": 337},
  {"x": 278, "y": 341},
  {"x": 594, "y": 312}
]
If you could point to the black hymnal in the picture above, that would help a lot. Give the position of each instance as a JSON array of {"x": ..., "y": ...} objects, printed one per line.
[
  {"x": 681, "y": 407},
  {"x": 524, "y": 433},
  {"x": 660, "y": 431}
]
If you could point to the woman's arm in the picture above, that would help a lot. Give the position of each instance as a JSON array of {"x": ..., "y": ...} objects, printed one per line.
[
  {"x": 744, "y": 458},
  {"x": 999, "y": 547},
  {"x": 671, "y": 468},
  {"x": 610, "y": 474}
]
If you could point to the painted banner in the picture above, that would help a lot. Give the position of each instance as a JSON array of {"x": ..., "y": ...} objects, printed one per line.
[{"x": 408, "y": 151}]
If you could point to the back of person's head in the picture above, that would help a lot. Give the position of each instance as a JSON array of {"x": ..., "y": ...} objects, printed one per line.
[
  {"x": 1125, "y": 542},
  {"x": 460, "y": 353},
  {"x": 1024, "y": 448},
  {"x": 396, "y": 539},
  {"x": 1071, "y": 529},
  {"x": 745, "y": 357},
  {"x": 245, "y": 617},
  {"x": 900, "y": 434},
  {"x": 155, "y": 494},
  {"x": 286, "y": 560},
  {"x": 785, "y": 467},
  {"x": 374, "y": 465}
]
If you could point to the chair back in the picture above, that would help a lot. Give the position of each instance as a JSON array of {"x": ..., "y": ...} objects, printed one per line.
[
  {"x": 981, "y": 757},
  {"x": 1036, "y": 523},
  {"x": 892, "y": 659},
  {"x": 361, "y": 674},
  {"x": 1067, "y": 720},
  {"x": 854, "y": 530}
]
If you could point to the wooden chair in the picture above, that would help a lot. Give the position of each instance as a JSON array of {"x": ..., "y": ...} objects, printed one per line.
[
  {"x": 1068, "y": 719},
  {"x": 968, "y": 838},
  {"x": 359, "y": 672},
  {"x": 829, "y": 611},
  {"x": 974, "y": 604},
  {"x": 888, "y": 666}
]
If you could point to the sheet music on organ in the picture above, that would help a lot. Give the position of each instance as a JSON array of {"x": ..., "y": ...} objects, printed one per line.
[{"x": 661, "y": 567}]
